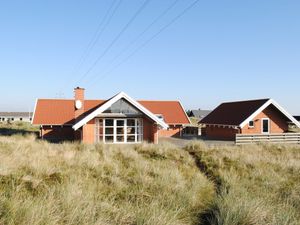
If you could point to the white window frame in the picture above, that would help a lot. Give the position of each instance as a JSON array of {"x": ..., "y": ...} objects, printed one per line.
[
  {"x": 137, "y": 126},
  {"x": 251, "y": 126},
  {"x": 262, "y": 125}
]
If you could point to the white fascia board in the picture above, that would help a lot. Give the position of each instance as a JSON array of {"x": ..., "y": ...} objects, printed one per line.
[
  {"x": 269, "y": 102},
  {"x": 112, "y": 101},
  {"x": 185, "y": 112},
  {"x": 253, "y": 115},
  {"x": 144, "y": 110},
  {"x": 289, "y": 116},
  {"x": 36, "y": 101}
]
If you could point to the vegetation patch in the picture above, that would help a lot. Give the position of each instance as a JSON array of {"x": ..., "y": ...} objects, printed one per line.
[
  {"x": 69, "y": 183},
  {"x": 257, "y": 184}
]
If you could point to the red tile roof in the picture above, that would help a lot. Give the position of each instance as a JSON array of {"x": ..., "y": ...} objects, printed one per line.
[
  {"x": 61, "y": 112},
  {"x": 233, "y": 113},
  {"x": 172, "y": 111}
]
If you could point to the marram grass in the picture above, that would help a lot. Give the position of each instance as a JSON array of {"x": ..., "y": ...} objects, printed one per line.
[
  {"x": 257, "y": 184},
  {"x": 43, "y": 183},
  {"x": 71, "y": 183}
]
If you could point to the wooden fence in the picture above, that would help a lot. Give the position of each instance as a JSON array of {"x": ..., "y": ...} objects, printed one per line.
[{"x": 286, "y": 138}]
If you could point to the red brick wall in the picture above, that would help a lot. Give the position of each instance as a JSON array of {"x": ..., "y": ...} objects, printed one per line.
[
  {"x": 222, "y": 133},
  {"x": 88, "y": 132},
  {"x": 57, "y": 133},
  {"x": 148, "y": 130},
  {"x": 277, "y": 122},
  {"x": 79, "y": 95},
  {"x": 151, "y": 133},
  {"x": 173, "y": 131}
]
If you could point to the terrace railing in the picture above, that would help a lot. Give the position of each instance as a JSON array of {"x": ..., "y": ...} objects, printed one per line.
[{"x": 285, "y": 138}]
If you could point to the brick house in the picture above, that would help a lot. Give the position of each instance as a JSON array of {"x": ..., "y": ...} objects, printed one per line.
[
  {"x": 264, "y": 116},
  {"x": 120, "y": 119}
]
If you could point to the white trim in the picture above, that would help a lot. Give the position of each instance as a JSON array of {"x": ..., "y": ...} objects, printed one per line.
[
  {"x": 64, "y": 125},
  {"x": 115, "y": 127},
  {"x": 220, "y": 125},
  {"x": 117, "y": 97},
  {"x": 251, "y": 126},
  {"x": 264, "y": 106},
  {"x": 36, "y": 101},
  {"x": 185, "y": 112},
  {"x": 262, "y": 125}
]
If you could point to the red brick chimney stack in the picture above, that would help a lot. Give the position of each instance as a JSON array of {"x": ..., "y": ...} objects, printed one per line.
[{"x": 79, "y": 101}]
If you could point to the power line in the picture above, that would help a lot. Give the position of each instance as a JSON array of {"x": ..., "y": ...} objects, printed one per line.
[
  {"x": 96, "y": 36},
  {"x": 147, "y": 41},
  {"x": 115, "y": 39},
  {"x": 100, "y": 30},
  {"x": 137, "y": 38}
]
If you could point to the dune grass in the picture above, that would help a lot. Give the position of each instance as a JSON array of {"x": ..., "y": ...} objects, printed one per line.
[
  {"x": 69, "y": 183},
  {"x": 72, "y": 183},
  {"x": 19, "y": 127},
  {"x": 257, "y": 184}
]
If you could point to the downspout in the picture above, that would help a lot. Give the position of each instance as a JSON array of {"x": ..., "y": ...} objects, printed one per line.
[{"x": 41, "y": 132}]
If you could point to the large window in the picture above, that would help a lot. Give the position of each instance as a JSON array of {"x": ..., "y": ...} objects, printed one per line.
[
  {"x": 122, "y": 107},
  {"x": 119, "y": 130}
]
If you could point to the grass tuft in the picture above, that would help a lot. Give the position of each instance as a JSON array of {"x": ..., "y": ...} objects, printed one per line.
[
  {"x": 257, "y": 184},
  {"x": 72, "y": 183}
]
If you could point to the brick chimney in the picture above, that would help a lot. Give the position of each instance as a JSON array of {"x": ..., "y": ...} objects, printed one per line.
[{"x": 79, "y": 101}]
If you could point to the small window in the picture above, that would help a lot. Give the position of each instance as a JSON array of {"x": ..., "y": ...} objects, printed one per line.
[
  {"x": 251, "y": 124},
  {"x": 21, "y": 119},
  {"x": 160, "y": 116}
]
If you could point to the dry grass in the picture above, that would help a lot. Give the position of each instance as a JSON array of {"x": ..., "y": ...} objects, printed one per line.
[
  {"x": 257, "y": 184},
  {"x": 43, "y": 183},
  {"x": 13, "y": 128},
  {"x": 69, "y": 183}
]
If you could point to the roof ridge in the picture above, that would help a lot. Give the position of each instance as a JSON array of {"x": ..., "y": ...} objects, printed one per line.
[
  {"x": 249, "y": 100},
  {"x": 60, "y": 99},
  {"x": 158, "y": 100},
  {"x": 70, "y": 99}
]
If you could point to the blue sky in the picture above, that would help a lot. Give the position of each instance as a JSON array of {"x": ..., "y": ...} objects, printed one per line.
[{"x": 217, "y": 51}]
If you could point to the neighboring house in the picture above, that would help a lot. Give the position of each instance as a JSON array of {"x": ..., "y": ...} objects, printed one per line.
[
  {"x": 263, "y": 116},
  {"x": 16, "y": 116},
  {"x": 199, "y": 114},
  {"x": 195, "y": 129},
  {"x": 119, "y": 119}
]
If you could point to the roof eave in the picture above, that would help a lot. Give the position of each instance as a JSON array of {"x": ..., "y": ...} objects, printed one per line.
[
  {"x": 263, "y": 107},
  {"x": 113, "y": 100}
]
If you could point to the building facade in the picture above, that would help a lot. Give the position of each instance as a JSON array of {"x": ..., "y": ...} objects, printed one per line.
[
  {"x": 120, "y": 119},
  {"x": 263, "y": 116},
  {"x": 16, "y": 116}
]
